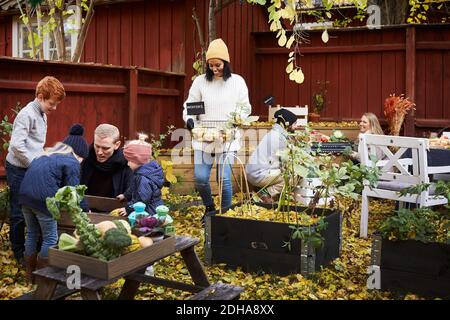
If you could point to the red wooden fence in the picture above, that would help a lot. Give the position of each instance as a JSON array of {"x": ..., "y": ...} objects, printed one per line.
[{"x": 133, "y": 99}]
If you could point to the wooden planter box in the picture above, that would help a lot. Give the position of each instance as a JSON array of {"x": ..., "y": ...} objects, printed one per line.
[
  {"x": 186, "y": 172},
  {"x": 413, "y": 266},
  {"x": 127, "y": 263},
  {"x": 258, "y": 245},
  {"x": 104, "y": 207}
]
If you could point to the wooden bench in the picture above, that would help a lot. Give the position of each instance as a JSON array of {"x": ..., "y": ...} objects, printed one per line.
[
  {"x": 218, "y": 291},
  {"x": 51, "y": 281}
]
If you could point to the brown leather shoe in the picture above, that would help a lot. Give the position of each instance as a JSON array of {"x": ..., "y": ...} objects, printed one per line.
[
  {"x": 41, "y": 263},
  {"x": 30, "y": 266}
]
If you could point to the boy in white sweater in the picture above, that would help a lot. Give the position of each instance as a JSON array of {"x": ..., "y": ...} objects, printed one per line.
[{"x": 27, "y": 142}]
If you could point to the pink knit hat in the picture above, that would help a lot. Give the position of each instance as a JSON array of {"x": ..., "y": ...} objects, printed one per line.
[{"x": 138, "y": 153}]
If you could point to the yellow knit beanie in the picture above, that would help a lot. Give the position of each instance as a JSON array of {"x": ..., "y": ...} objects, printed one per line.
[{"x": 218, "y": 50}]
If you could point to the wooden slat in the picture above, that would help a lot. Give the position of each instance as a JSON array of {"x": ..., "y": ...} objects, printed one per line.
[
  {"x": 158, "y": 91},
  {"x": 166, "y": 29},
  {"x": 3, "y": 33},
  {"x": 410, "y": 77},
  {"x": 166, "y": 283},
  {"x": 345, "y": 81},
  {"x": 178, "y": 35},
  {"x": 113, "y": 35},
  {"x": 61, "y": 292},
  {"x": 433, "y": 45},
  {"x": 433, "y": 86},
  {"x": 336, "y": 49},
  {"x": 69, "y": 87},
  {"x": 138, "y": 41},
  {"x": 101, "y": 41},
  {"x": 152, "y": 34},
  {"x": 218, "y": 291},
  {"x": 126, "y": 46},
  {"x": 133, "y": 103},
  {"x": 332, "y": 75}
]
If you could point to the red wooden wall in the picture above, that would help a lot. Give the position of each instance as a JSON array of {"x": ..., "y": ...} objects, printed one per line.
[
  {"x": 5, "y": 36},
  {"x": 146, "y": 34}
]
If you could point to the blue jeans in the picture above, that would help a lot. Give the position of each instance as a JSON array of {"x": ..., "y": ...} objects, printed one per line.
[
  {"x": 15, "y": 175},
  {"x": 39, "y": 223},
  {"x": 203, "y": 162}
]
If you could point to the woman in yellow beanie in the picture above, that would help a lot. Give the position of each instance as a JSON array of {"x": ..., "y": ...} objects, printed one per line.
[{"x": 223, "y": 94}]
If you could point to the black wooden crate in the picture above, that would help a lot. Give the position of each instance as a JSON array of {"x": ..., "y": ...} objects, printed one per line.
[
  {"x": 258, "y": 245},
  {"x": 414, "y": 267}
]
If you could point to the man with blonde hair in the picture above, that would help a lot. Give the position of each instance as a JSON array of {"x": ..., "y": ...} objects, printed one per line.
[{"x": 105, "y": 171}]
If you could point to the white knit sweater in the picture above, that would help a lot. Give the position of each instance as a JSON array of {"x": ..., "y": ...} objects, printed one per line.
[{"x": 220, "y": 98}]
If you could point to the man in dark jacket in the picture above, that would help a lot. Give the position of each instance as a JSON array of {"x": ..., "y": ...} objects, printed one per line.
[{"x": 105, "y": 171}]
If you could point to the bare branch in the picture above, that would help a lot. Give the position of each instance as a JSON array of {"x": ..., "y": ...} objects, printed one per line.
[{"x": 83, "y": 34}]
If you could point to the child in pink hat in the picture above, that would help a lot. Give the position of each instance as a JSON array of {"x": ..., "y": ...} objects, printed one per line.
[{"x": 148, "y": 178}]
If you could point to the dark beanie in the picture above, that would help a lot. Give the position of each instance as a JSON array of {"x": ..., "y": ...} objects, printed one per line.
[
  {"x": 285, "y": 117},
  {"x": 76, "y": 141}
]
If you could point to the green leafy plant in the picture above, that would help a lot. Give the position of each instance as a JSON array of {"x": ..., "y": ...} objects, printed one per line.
[
  {"x": 311, "y": 234},
  {"x": 418, "y": 224},
  {"x": 319, "y": 98},
  {"x": 421, "y": 224},
  {"x": 6, "y": 126},
  {"x": 157, "y": 142}
]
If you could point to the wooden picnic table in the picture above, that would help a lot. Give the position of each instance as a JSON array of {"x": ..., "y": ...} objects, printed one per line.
[{"x": 51, "y": 281}]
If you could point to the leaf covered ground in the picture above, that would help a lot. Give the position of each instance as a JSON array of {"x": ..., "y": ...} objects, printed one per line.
[{"x": 344, "y": 279}]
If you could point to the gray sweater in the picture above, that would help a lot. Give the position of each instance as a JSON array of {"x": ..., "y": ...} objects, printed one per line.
[
  {"x": 265, "y": 158},
  {"x": 28, "y": 135}
]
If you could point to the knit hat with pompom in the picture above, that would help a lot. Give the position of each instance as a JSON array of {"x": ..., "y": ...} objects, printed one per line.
[
  {"x": 138, "y": 151},
  {"x": 76, "y": 141}
]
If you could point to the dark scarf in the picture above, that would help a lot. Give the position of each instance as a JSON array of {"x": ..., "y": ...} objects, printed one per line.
[{"x": 116, "y": 162}]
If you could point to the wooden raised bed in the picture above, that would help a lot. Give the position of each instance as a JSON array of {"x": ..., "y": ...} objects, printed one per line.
[
  {"x": 185, "y": 171},
  {"x": 413, "y": 266},
  {"x": 127, "y": 263},
  {"x": 258, "y": 245}
]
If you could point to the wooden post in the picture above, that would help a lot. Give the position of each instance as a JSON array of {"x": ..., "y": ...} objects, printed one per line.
[
  {"x": 133, "y": 103},
  {"x": 410, "y": 81}
]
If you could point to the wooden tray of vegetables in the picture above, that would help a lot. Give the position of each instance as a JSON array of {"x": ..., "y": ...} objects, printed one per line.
[{"x": 106, "y": 250}]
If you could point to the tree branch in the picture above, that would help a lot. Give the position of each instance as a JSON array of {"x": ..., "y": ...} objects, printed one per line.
[
  {"x": 83, "y": 33},
  {"x": 200, "y": 38}
]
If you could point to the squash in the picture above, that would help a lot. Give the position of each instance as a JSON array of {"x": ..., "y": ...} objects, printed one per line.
[
  {"x": 105, "y": 226},
  {"x": 145, "y": 242}
]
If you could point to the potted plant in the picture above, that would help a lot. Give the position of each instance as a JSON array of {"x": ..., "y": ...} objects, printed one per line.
[
  {"x": 319, "y": 101},
  {"x": 412, "y": 248}
]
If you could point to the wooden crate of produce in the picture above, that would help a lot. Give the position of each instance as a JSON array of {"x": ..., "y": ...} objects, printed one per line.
[{"x": 118, "y": 267}]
